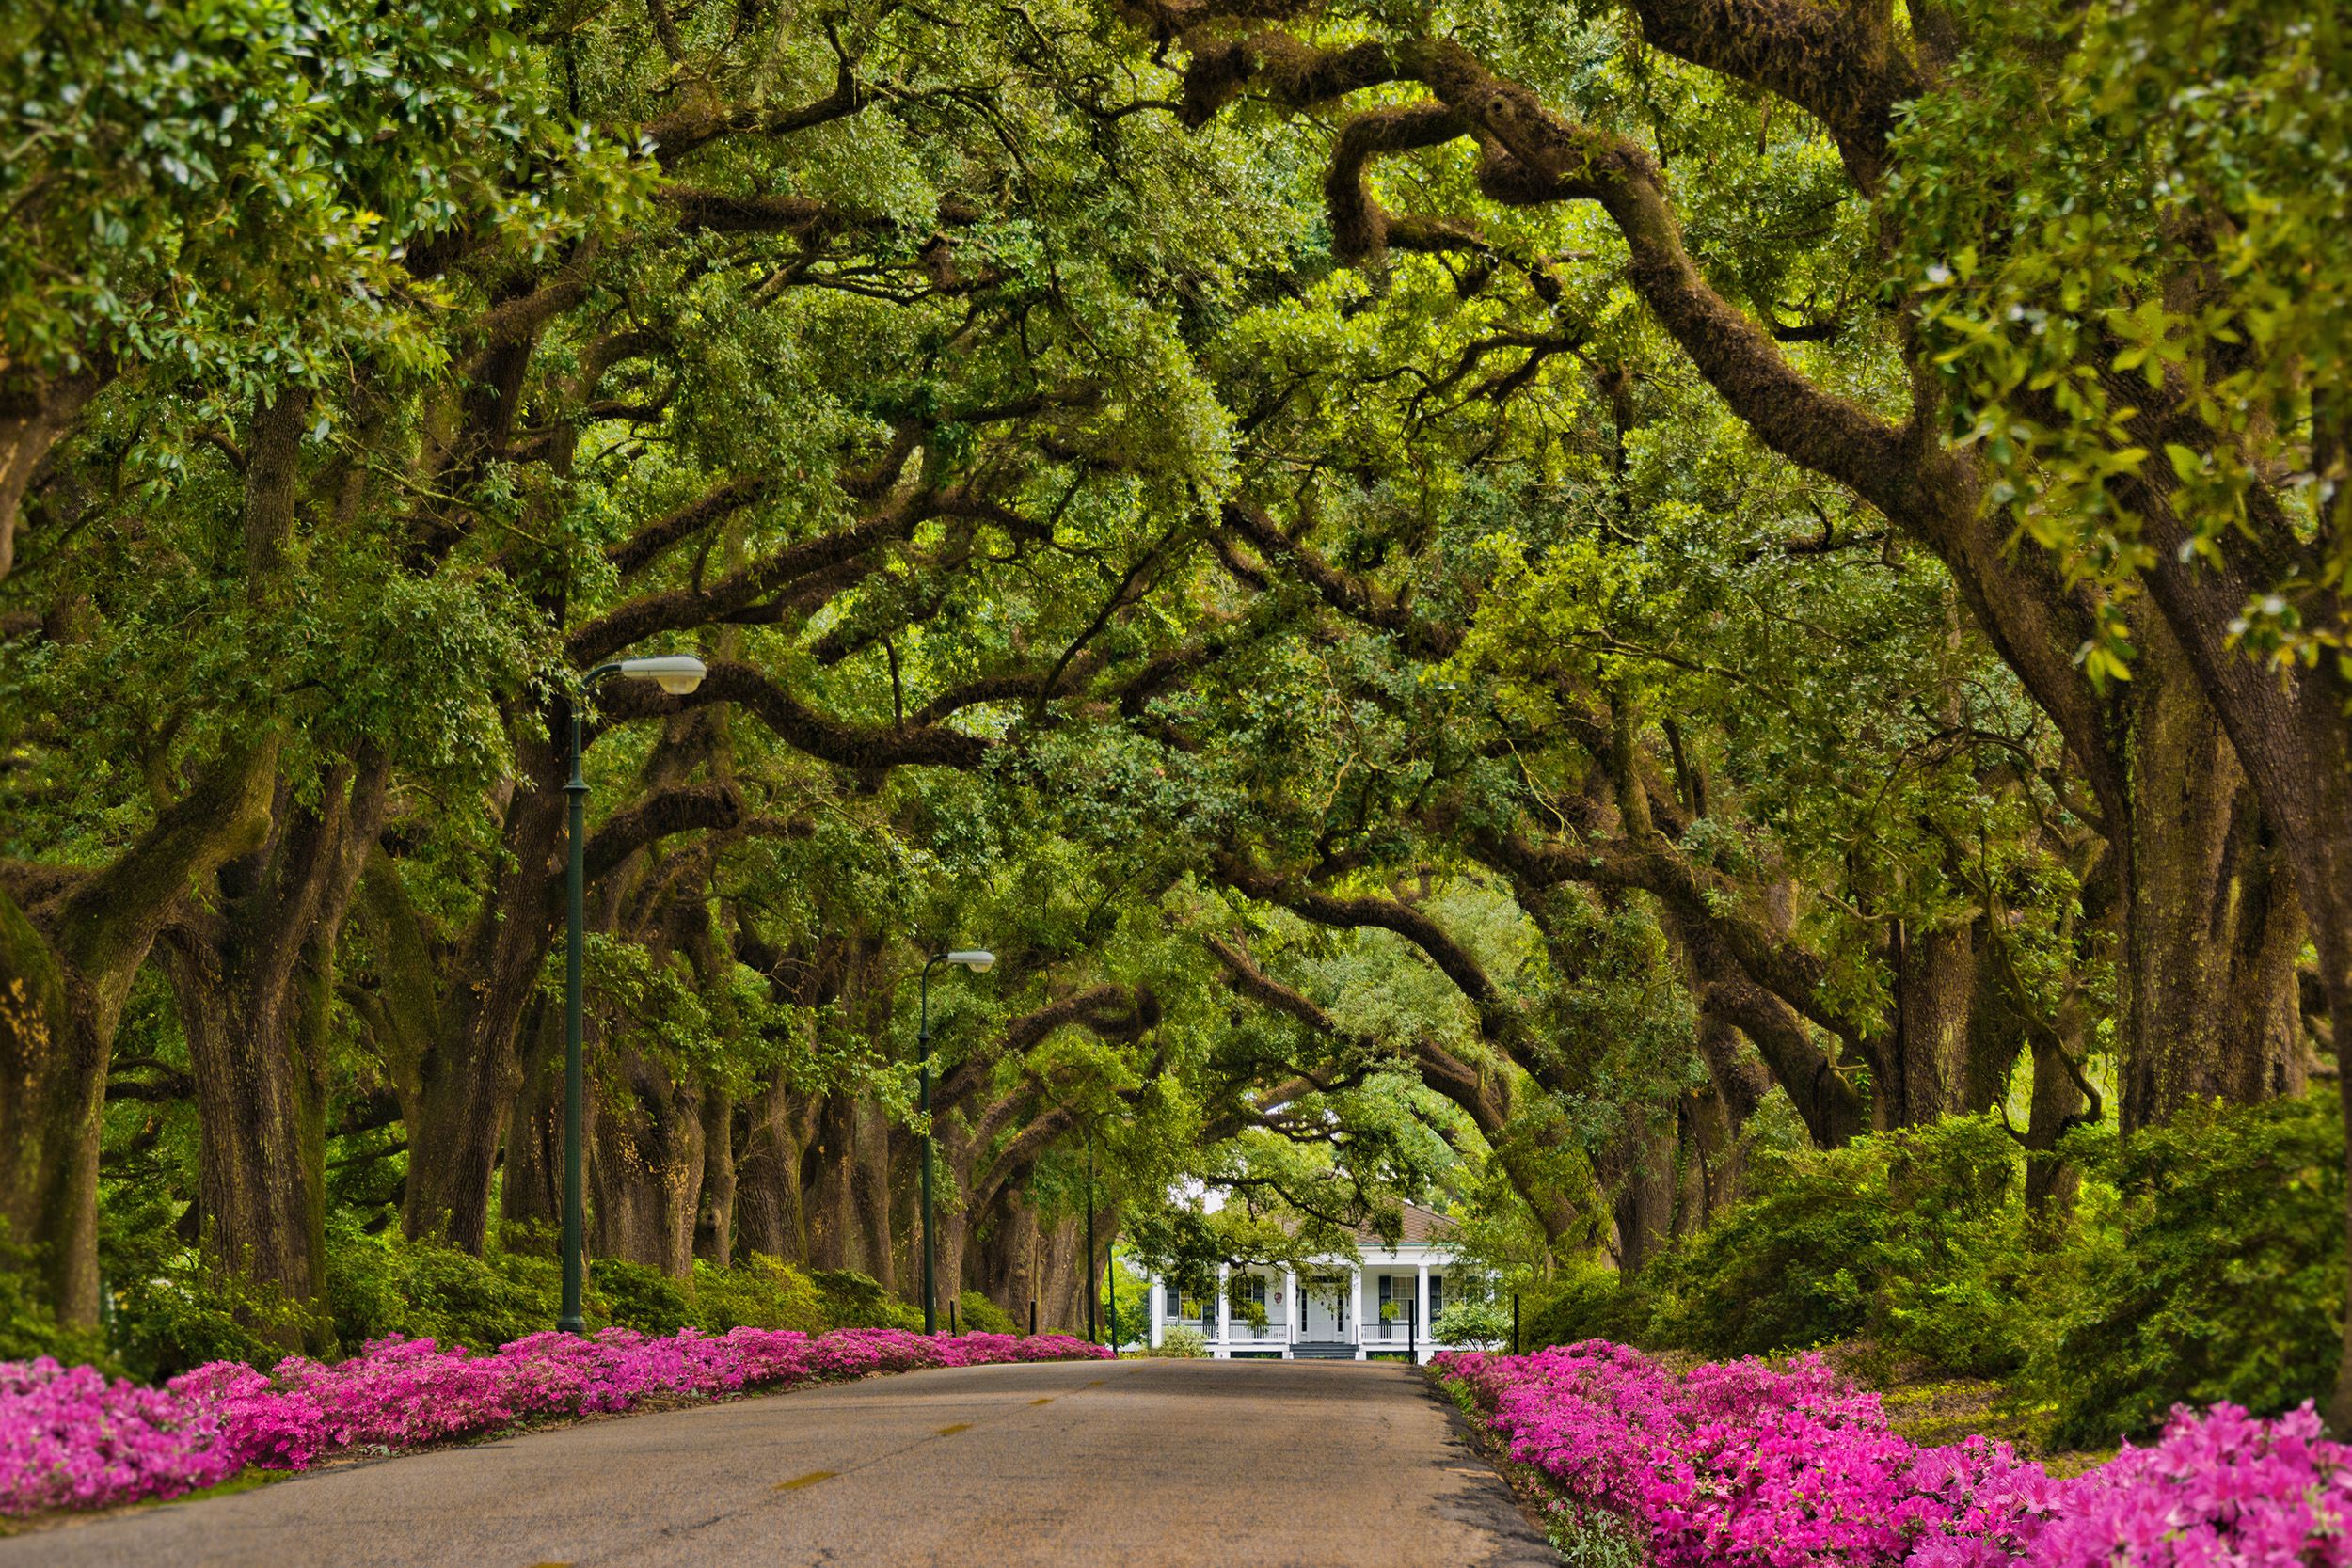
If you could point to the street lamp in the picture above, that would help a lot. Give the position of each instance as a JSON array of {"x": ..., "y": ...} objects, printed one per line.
[
  {"x": 677, "y": 675},
  {"x": 978, "y": 963}
]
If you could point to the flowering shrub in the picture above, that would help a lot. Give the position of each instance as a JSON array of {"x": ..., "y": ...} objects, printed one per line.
[
  {"x": 70, "y": 1437},
  {"x": 1744, "y": 1465}
]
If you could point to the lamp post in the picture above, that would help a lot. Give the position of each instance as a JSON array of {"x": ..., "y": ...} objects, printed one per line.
[
  {"x": 1090, "y": 1339},
  {"x": 677, "y": 675},
  {"x": 979, "y": 962}
]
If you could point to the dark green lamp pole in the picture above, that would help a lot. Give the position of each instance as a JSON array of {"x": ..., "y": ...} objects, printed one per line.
[
  {"x": 978, "y": 963},
  {"x": 678, "y": 673},
  {"x": 1090, "y": 1236}
]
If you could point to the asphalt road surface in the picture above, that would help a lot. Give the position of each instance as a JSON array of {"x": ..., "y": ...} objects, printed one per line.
[{"x": 1166, "y": 1463}]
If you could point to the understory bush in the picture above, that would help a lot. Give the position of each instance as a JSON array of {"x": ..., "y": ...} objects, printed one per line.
[
  {"x": 385, "y": 1284},
  {"x": 1178, "y": 1342},
  {"x": 1477, "y": 1321},
  {"x": 1587, "y": 1302},
  {"x": 72, "y": 1437},
  {"x": 1915, "y": 1238},
  {"x": 760, "y": 1292},
  {"x": 171, "y": 1312},
  {"x": 2214, "y": 1271},
  {"x": 2203, "y": 1264},
  {"x": 977, "y": 1312},
  {"x": 1748, "y": 1465},
  {"x": 851, "y": 1300},
  {"x": 27, "y": 1327},
  {"x": 644, "y": 1299}
]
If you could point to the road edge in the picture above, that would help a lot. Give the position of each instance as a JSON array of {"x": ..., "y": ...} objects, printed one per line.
[{"x": 1489, "y": 1502}]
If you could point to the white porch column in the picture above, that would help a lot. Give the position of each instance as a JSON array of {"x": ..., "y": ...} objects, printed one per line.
[
  {"x": 1159, "y": 1306},
  {"x": 1292, "y": 1308},
  {"x": 1421, "y": 1311},
  {"x": 1356, "y": 1296},
  {"x": 1224, "y": 1309}
]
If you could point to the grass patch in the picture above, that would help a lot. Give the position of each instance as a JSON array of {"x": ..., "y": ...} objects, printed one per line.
[{"x": 1934, "y": 1409}]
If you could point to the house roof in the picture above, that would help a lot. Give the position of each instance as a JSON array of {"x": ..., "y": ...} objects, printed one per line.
[{"x": 1421, "y": 1227}]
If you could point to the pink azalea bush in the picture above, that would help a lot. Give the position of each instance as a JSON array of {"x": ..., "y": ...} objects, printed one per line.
[
  {"x": 1745, "y": 1466},
  {"x": 70, "y": 1437}
]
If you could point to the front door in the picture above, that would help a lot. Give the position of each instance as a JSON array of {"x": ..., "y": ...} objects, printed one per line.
[{"x": 1323, "y": 1309}]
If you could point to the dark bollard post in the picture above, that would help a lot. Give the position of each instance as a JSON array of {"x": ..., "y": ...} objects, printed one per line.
[
  {"x": 1515, "y": 1322},
  {"x": 951, "y": 1315},
  {"x": 1412, "y": 1332},
  {"x": 1033, "y": 1317}
]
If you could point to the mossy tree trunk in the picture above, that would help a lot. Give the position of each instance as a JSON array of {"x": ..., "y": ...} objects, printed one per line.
[
  {"x": 2213, "y": 924},
  {"x": 251, "y": 963}
]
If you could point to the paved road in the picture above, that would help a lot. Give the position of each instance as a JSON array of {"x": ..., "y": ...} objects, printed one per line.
[{"x": 1149, "y": 1464}]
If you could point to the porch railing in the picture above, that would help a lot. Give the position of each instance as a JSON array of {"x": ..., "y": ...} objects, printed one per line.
[{"x": 1244, "y": 1332}]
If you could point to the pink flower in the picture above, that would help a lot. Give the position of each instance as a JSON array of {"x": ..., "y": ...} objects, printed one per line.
[
  {"x": 1755, "y": 1466},
  {"x": 71, "y": 1438}
]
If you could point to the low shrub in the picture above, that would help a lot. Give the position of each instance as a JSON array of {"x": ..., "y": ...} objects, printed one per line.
[
  {"x": 758, "y": 1292},
  {"x": 382, "y": 1286},
  {"x": 641, "y": 1298},
  {"x": 2203, "y": 1265},
  {"x": 1915, "y": 1238},
  {"x": 1178, "y": 1342},
  {"x": 1473, "y": 1321},
  {"x": 851, "y": 1300},
  {"x": 1586, "y": 1302},
  {"x": 173, "y": 1314},
  {"x": 2212, "y": 1271},
  {"x": 977, "y": 1312},
  {"x": 27, "y": 1327}
]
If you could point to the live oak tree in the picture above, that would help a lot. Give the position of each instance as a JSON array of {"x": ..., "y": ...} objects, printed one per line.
[
  {"x": 1526, "y": 143},
  {"x": 1489, "y": 604},
  {"x": 682, "y": 367}
]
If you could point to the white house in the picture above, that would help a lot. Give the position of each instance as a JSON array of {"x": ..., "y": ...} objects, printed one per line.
[{"x": 1380, "y": 1304}]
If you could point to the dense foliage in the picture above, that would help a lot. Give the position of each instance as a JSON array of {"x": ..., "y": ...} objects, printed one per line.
[{"x": 1706, "y": 633}]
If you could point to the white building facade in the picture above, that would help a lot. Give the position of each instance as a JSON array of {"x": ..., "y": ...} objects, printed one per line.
[{"x": 1378, "y": 1305}]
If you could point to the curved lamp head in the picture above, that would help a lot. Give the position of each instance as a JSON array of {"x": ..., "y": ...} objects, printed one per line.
[
  {"x": 975, "y": 961},
  {"x": 677, "y": 673}
]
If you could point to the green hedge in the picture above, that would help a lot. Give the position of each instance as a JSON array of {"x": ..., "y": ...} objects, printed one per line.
[{"x": 170, "y": 1313}]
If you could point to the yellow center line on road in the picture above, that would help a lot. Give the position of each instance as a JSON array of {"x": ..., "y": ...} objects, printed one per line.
[{"x": 797, "y": 1482}]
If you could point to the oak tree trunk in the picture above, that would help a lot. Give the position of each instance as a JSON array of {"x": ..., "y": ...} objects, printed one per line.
[
  {"x": 468, "y": 1080},
  {"x": 646, "y": 1166},
  {"x": 530, "y": 1182},
  {"x": 1935, "y": 982},
  {"x": 714, "y": 1218},
  {"x": 67, "y": 961},
  {"x": 2213, "y": 925},
  {"x": 780, "y": 1164}
]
